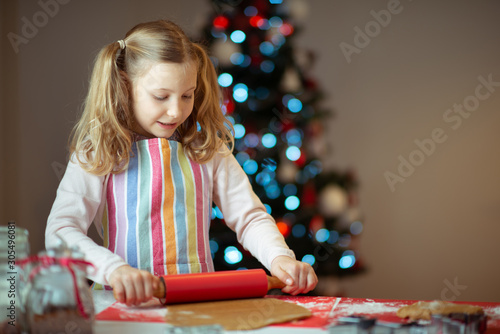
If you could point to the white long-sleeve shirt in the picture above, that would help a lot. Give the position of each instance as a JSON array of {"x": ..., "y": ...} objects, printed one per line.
[{"x": 81, "y": 199}]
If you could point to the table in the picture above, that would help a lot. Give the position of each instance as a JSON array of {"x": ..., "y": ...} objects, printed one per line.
[{"x": 112, "y": 317}]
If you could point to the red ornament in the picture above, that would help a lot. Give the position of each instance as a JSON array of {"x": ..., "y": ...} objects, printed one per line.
[
  {"x": 283, "y": 228},
  {"x": 255, "y": 21},
  {"x": 286, "y": 29},
  {"x": 229, "y": 105},
  {"x": 309, "y": 195},
  {"x": 220, "y": 22}
]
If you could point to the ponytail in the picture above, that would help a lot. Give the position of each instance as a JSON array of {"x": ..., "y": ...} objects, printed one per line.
[{"x": 101, "y": 138}]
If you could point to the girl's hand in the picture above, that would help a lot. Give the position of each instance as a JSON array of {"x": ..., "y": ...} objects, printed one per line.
[
  {"x": 133, "y": 286},
  {"x": 299, "y": 277}
]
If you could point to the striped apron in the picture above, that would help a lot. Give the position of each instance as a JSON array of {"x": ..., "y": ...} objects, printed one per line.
[{"x": 158, "y": 211}]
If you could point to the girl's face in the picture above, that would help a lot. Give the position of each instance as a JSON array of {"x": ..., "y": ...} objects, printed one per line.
[{"x": 163, "y": 98}]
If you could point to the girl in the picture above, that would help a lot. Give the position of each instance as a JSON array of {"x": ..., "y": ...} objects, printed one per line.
[{"x": 148, "y": 157}]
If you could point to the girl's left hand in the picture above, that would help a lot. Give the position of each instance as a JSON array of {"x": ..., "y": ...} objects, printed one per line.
[{"x": 299, "y": 277}]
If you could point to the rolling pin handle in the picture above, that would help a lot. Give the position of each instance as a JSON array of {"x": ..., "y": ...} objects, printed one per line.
[
  {"x": 274, "y": 283},
  {"x": 160, "y": 291}
]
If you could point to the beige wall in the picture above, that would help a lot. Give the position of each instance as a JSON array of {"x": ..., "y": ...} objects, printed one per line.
[{"x": 437, "y": 228}]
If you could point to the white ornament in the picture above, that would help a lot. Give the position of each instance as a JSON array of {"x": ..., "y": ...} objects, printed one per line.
[
  {"x": 332, "y": 201},
  {"x": 287, "y": 172},
  {"x": 290, "y": 81}
]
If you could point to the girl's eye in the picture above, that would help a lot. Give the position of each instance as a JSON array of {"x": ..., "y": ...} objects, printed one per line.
[
  {"x": 188, "y": 97},
  {"x": 160, "y": 98}
]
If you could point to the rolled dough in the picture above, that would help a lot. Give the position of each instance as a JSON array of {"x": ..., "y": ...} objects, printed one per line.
[
  {"x": 242, "y": 314},
  {"x": 425, "y": 310}
]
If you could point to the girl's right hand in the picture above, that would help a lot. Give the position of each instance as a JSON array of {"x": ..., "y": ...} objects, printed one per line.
[{"x": 133, "y": 286}]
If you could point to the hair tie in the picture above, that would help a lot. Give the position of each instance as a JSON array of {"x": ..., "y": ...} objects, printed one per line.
[{"x": 122, "y": 44}]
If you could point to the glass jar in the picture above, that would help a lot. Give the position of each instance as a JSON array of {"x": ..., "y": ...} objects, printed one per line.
[
  {"x": 14, "y": 245},
  {"x": 59, "y": 298}
]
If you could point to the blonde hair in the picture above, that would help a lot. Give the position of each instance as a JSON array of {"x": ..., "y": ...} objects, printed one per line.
[{"x": 102, "y": 138}]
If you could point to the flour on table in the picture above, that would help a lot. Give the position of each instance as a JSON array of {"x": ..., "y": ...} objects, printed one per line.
[
  {"x": 366, "y": 308},
  {"x": 493, "y": 311}
]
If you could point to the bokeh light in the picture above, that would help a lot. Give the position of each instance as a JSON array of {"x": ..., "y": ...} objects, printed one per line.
[
  {"x": 268, "y": 140},
  {"x": 225, "y": 79},
  {"x": 293, "y": 153},
  {"x": 309, "y": 258},
  {"x": 240, "y": 92},
  {"x": 292, "y": 203},
  {"x": 232, "y": 255},
  {"x": 238, "y": 36},
  {"x": 356, "y": 227},
  {"x": 298, "y": 230},
  {"x": 250, "y": 166},
  {"x": 239, "y": 131},
  {"x": 347, "y": 260}
]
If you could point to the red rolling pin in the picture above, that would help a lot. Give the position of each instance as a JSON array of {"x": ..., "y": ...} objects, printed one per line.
[{"x": 220, "y": 285}]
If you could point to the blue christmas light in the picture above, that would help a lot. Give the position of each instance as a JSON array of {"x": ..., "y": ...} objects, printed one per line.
[
  {"x": 266, "y": 48},
  {"x": 214, "y": 246},
  {"x": 294, "y": 105},
  {"x": 290, "y": 189},
  {"x": 218, "y": 34},
  {"x": 218, "y": 213},
  {"x": 268, "y": 140},
  {"x": 278, "y": 39},
  {"x": 250, "y": 166},
  {"x": 267, "y": 66},
  {"x": 294, "y": 137},
  {"x": 275, "y": 21},
  {"x": 309, "y": 258},
  {"x": 347, "y": 260},
  {"x": 322, "y": 235},
  {"x": 272, "y": 190},
  {"x": 356, "y": 227},
  {"x": 251, "y": 140},
  {"x": 269, "y": 210},
  {"x": 263, "y": 178},
  {"x": 334, "y": 237},
  {"x": 225, "y": 79},
  {"x": 247, "y": 60},
  {"x": 344, "y": 240},
  {"x": 240, "y": 92},
  {"x": 275, "y": 2},
  {"x": 269, "y": 164},
  {"x": 298, "y": 230},
  {"x": 293, "y": 153},
  {"x": 251, "y": 11},
  {"x": 314, "y": 168},
  {"x": 239, "y": 131},
  {"x": 237, "y": 58},
  {"x": 238, "y": 36},
  {"x": 232, "y": 255},
  {"x": 241, "y": 157},
  {"x": 292, "y": 203}
]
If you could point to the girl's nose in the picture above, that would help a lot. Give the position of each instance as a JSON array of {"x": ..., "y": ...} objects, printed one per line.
[{"x": 174, "y": 109}]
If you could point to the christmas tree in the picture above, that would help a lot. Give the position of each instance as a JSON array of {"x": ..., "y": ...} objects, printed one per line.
[{"x": 274, "y": 106}]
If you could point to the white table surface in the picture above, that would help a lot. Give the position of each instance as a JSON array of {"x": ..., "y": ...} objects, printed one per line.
[{"x": 103, "y": 299}]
